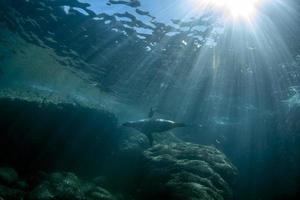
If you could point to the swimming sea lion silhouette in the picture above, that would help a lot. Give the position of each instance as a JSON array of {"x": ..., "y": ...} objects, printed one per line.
[{"x": 152, "y": 125}]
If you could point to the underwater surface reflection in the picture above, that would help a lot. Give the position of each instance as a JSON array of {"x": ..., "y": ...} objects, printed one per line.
[{"x": 208, "y": 96}]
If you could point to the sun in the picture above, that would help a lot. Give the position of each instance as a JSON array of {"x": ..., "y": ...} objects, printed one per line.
[{"x": 237, "y": 8}]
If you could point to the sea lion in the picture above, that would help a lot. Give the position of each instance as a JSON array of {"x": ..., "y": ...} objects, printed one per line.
[{"x": 149, "y": 126}]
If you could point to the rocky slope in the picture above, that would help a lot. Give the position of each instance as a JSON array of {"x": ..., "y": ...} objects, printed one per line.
[
  {"x": 58, "y": 185},
  {"x": 186, "y": 171},
  {"x": 65, "y": 139}
]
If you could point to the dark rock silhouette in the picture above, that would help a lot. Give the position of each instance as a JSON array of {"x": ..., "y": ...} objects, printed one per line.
[{"x": 66, "y": 185}]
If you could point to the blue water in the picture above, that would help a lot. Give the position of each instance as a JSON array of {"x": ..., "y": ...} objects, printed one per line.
[{"x": 73, "y": 71}]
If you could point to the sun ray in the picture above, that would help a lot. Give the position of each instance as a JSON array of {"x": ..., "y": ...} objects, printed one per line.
[{"x": 235, "y": 8}]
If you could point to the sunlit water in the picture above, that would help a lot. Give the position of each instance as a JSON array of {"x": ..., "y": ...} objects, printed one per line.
[{"x": 228, "y": 69}]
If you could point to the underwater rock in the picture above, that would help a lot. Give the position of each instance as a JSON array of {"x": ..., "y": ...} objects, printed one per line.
[
  {"x": 132, "y": 141},
  {"x": 21, "y": 185},
  {"x": 67, "y": 186},
  {"x": 61, "y": 131},
  {"x": 122, "y": 168},
  {"x": 165, "y": 138},
  {"x": 10, "y": 185},
  {"x": 186, "y": 171},
  {"x": 99, "y": 193},
  {"x": 8, "y": 176},
  {"x": 58, "y": 185},
  {"x": 7, "y": 193}
]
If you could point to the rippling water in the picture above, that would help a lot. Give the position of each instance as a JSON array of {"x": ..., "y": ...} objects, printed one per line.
[{"x": 72, "y": 71}]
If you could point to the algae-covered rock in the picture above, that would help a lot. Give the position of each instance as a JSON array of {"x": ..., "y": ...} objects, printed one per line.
[
  {"x": 21, "y": 185},
  {"x": 61, "y": 131},
  {"x": 185, "y": 171},
  {"x": 58, "y": 185},
  {"x": 68, "y": 186},
  {"x": 7, "y": 193},
  {"x": 165, "y": 138},
  {"x": 10, "y": 185},
  {"x": 131, "y": 141},
  {"x": 98, "y": 193},
  {"x": 8, "y": 176}
]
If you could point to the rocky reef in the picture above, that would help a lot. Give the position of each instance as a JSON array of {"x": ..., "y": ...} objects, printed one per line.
[
  {"x": 186, "y": 171},
  {"x": 58, "y": 185},
  {"x": 174, "y": 169},
  {"x": 69, "y": 141},
  {"x": 10, "y": 185},
  {"x": 36, "y": 135},
  {"x": 67, "y": 185}
]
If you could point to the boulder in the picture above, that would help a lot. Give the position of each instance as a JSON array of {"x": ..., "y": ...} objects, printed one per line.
[
  {"x": 8, "y": 176},
  {"x": 98, "y": 193},
  {"x": 165, "y": 138},
  {"x": 10, "y": 185},
  {"x": 132, "y": 141},
  {"x": 185, "y": 171},
  {"x": 58, "y": 185},
  {"x": 7, "y": 193},
  {"x": 67, "y": 186},
  {"x": 61, "y": 131}
]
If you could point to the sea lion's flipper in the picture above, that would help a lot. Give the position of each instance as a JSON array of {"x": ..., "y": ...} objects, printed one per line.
[
  {"x": 151, "y": 113},
  {"x": 150, "y": 138}
]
